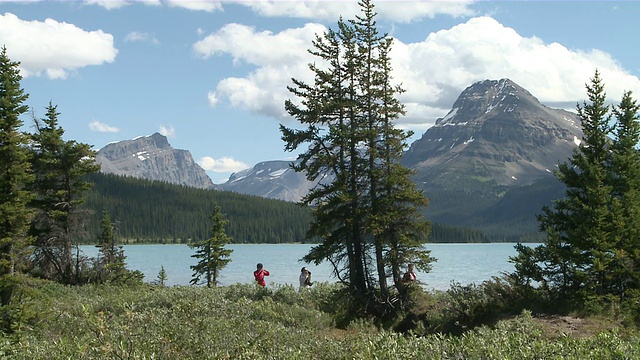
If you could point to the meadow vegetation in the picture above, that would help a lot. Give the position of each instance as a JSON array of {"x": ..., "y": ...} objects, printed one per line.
[{"x": 143, "y": 321}]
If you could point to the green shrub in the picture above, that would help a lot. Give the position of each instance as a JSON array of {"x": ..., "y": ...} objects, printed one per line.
[{"x": 247, "y": 322}]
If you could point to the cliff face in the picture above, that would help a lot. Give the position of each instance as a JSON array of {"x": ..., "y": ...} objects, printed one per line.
[{"x": 152, "y": 158}]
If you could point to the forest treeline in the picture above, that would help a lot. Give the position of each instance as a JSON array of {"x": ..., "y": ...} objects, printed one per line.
[{"x": 146, "y": 211}]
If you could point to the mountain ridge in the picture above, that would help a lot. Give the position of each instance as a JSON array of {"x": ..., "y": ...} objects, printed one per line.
[
  {"x": 494, "y": 151},
  {"x": 152, "y": 157}
]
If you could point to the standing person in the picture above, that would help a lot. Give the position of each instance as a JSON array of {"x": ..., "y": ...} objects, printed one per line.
[
  {"x": 409, "y": 276},
  {"x": 305, "y": 278},
  {"x": 260, "y": 273}
]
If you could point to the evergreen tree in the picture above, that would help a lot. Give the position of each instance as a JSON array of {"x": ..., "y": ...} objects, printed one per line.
[
  {"x": 15, "y": 175},
  {"x": 59, "y": 167},
  {"x": 333, "y": 158},
  {"x": 162, "y": 277},
  {"x": 577, "y": 255},
  {"x": 625, "y": 208},
  {"x": 398, "y": 230},
  {"x": 365, "y": 205},
  {"x": 211, "y": 252},
  {"x": 111, "y": 259}
]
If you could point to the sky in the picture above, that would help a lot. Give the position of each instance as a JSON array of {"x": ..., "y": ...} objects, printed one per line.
[{"x": 212, "y": 76}]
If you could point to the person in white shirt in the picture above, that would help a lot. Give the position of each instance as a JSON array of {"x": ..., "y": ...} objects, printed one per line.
[{"x": 305, "y": 278}]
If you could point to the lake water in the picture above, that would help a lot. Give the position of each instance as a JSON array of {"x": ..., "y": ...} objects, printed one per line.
[{"x": 463, "y": 263}]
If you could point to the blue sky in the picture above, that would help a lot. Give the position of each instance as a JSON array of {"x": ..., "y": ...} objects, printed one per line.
[{"x": 212, "y": 75}]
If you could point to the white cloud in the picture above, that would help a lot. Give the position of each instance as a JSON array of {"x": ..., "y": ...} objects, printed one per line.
[
  {"x": 433, "y": 72},
  {"x": 213, "y": 99},
  {"x": 109, "y": 4},
  {"x": 202, "y": 5},
  {"x": 222, "y": 165},
  {"x": 53, "y": 47},
  {"x": 136, "y": 36},
  {"x": 277, "y": 56},
  {"x": 117, "y": 4},
  {"x": 102, "y": 127},
  {"x": 168, "y": 132},
  {"x": 400, "y": 11},
  {"x": 436, "y": 70},
  {"x": 246, "y": 44}
]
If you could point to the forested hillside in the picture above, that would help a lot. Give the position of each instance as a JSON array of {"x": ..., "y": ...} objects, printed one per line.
[{"x": 149, "y": 211}]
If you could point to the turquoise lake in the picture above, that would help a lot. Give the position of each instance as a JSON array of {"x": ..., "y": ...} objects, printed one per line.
[{"x": 463, "y": 263}]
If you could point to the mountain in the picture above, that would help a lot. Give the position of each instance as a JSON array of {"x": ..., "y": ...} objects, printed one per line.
[
  {"x": 497, "y": 133},
  {"x": 270, "y": 179},
  {"x": 488, "y": 164},
  {"x": 151, "y": 157}
]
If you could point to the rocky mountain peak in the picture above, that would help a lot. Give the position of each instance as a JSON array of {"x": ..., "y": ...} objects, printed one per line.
[
  {"x": 495, "y": 132},
  {"x": 272, "y": 179},
  {"x": 152, "y": 157},
  {"x": 488, "y": 96}
]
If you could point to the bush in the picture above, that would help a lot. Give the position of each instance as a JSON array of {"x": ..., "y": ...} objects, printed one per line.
[{"x": 248, "y": 322}]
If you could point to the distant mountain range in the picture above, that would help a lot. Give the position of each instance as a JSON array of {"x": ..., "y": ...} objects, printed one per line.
[{"x": 488, "y": 164}]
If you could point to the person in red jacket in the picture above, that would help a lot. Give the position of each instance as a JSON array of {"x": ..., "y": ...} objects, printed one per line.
[
  {"x": 409, "y": 276},
  {"x": 259, "y": 274}
]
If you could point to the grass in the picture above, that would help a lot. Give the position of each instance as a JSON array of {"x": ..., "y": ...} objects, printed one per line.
[{"x": 248, "y": 322}]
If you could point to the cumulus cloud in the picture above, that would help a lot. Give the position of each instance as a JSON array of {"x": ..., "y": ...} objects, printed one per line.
[
  {"x": 400, "y": 11},
  {"x": 167, "y": 131},
  {"x": 136, "y": 36},
  {"x": 102, "y": 127},
  {"x": 213, "y": 99},
  {"x": 222, "y": 165},
  {"x": 393, "y": 10},
  {"x": 436, "y": 70},
  {"x": 433, "y": 71},
  {"x": 53, "y": 48},
  {"x": 262, "y": 90},
  {"x": 208, "y": 6}
]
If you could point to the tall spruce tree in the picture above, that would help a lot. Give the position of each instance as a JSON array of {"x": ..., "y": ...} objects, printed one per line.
[
  {"x": 60, "y": 168},
  {"x": 625, "y": 208},
  {"x": 211, "y": 252},
  {"x": 395, "y": 222},
  {"x": 365, "y": 204},
  {"x": 15, "y": 174},
  {"x": 328, "y": 109},
  {"x": 577, "y": 255}
]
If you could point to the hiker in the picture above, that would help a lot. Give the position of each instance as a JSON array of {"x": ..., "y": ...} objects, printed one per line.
[
  {"x": 409, "y": 276},
  {"x": 260, "y": 273},
  {"x": 305, "y": 278}
]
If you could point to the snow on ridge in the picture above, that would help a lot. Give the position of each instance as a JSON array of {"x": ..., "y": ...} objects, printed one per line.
[
  {"x": 142, "y": 155},
  {"x": 278, "y": 173},
  {"x": 238, "y": 179},
  {"x": 576, "y": 140},
  {"x": 449, "y": 116},
  {"x": 454, "y": 124},
  {"x": 489, "y": 108}
]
